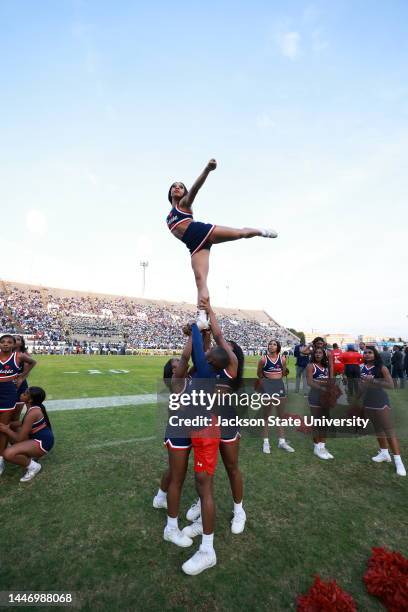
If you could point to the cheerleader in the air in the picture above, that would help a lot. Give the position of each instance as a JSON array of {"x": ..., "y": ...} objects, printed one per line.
[{"x": 199, "y": 237}]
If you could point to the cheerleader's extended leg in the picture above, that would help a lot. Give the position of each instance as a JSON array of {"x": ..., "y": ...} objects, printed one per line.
[
  {"x": 226, "y": 234},
  {"x": 200, "y": 258}
]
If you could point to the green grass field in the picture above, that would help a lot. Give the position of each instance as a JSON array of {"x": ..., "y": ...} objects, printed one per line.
[
  {"x": 86, "y": 523},
  {"x": 74, "y": 376}
]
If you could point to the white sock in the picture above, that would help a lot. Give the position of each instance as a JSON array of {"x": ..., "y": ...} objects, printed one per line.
[
  {"x": 317, "y": 445},
  {"x": 281, "y": 441},
  {"x": 322, "y": 445},
  {"x": 172, "y": 523},
  {"x": 1, "y": 460},
  {"x": 31, "y": 464},
  {"x": 266, "y": 440},
  {"x": 397, "y": 459},
  {"x": 207, "y": 542},
  {"x": 385, "y": 451},
  {"x": 161, "y": 494},
  {"x": 238, "y": 507}
]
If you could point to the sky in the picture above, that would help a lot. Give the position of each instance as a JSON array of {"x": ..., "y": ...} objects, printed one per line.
[{"x": 304, "y": 105}]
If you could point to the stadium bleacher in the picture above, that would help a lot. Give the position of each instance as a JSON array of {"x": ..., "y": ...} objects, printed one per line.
[{"x": 52, "y": 318}]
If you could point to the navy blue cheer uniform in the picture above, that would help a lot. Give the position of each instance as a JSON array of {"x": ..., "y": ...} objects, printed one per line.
[
  {"x": 9, "y": 370},
  {"x": 229, "y": 433},
  {"x": 273, "y": 385},
  {"x": 319, "y": 373},
  {"x": 24, "y": 385},
  {"x": 172, "y": 437},
  {"x": 196, "y": 235},
  {"x": 41, "y": 433},
  {"x": 374, "y": 398}
]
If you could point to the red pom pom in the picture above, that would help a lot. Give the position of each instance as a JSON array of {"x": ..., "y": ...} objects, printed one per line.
[
  {"x": 325, "y": 597},
  {"x": 387, "y": 579}
]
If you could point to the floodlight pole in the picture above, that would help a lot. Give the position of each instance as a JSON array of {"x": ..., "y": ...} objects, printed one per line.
[{"x": 144, "y": 265}]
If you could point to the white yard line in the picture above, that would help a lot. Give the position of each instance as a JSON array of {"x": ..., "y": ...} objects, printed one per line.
[
  {"x": 114, "y": 401},
  {"x": 82, "y": 403}
]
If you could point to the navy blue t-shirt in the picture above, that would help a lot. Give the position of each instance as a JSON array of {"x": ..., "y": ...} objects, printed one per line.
[{"x": 301, "y": 360}]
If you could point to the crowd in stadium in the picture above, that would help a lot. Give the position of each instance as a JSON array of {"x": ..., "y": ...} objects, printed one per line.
[{"x": 64, "y": 324}]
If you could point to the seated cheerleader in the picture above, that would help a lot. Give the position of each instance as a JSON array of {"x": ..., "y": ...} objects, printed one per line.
[
  {"x": 375, "y": 378},
  {"x": 32, "y": 438},
  {"x": 199, "y": 237}
]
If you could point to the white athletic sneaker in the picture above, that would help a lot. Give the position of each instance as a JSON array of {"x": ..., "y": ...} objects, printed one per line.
[
  {"x": 266, "y": 447},
  {"x": 399, "y": 467},
  {"x": 202, "y": 320},
  {"x": 202, "y": 325},
  {"x": 238, "y": 522},
  {"x": 194, "y": 512},
  {"x": 269, "y": 233},
  {"x": 200, "y": 561},
  {"x": 2, "y": 465},
  {"x": 322, "y": 453},
  {"x": 31, "y": 472},
  {"x": 177, "y": 537},
  {"x": 193, "y": 530},
  {"x": 382, "y": 455},
  {"x": 159, "y": 502},
  {"x": 285, "y": 446}
]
